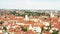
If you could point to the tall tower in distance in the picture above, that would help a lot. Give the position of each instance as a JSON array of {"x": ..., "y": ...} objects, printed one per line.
[
  {"x": 26, "y": 18},
  {"x": 51, "y": 14}
]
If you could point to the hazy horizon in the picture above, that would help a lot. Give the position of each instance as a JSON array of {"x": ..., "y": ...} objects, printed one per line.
[{"x": 30, "y": 4}]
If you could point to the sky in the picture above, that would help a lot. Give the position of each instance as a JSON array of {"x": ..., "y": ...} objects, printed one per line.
[{"x": 30, "y": 4}]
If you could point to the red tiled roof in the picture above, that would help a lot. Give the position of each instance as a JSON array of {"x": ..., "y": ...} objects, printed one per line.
[
  {"x": 46, "y": 32},
  {"x": 55, "y": 19},
  {"x": 17, "y": 31},
  {"x": 30, "y": 32},
  {"x": 36, "y": 16},
  {"x": 38, "y": 24},
  {"x": 11, "y": 29}
]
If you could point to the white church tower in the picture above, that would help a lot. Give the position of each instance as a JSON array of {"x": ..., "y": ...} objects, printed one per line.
[
  {"x": 26, "y": 18},
  {"x": 51, "y": 14}
]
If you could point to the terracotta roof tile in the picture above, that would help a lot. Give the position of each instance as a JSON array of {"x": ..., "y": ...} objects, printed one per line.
[{"x": 11, "y": 29}]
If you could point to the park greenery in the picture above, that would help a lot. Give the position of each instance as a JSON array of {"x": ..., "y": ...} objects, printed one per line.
[{"x": 29, "y": 13}]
